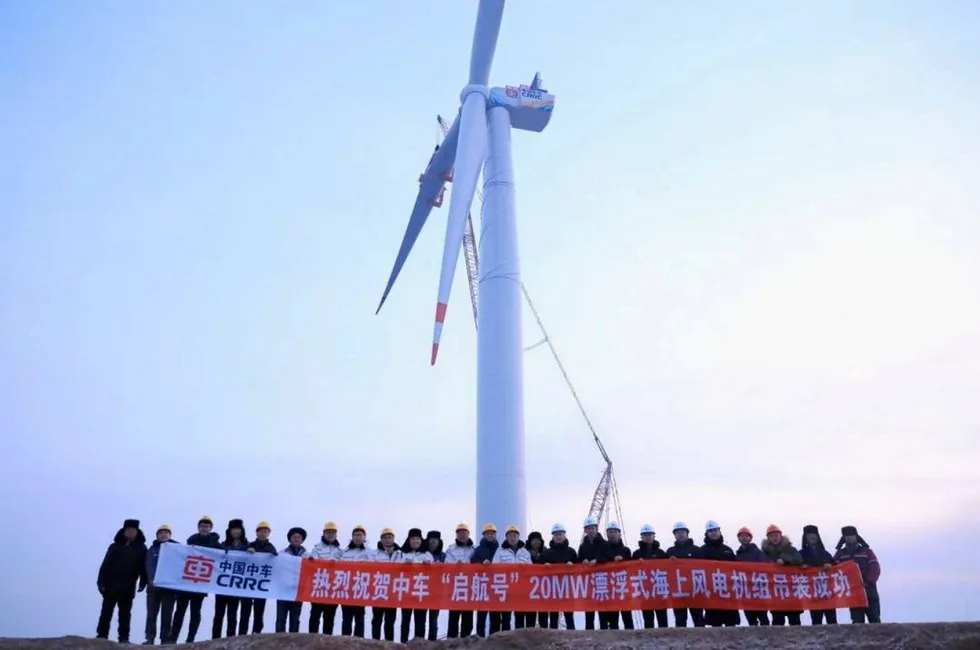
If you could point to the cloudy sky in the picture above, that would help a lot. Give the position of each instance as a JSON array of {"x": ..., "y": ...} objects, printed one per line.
[{"x": 751, "y": 231}]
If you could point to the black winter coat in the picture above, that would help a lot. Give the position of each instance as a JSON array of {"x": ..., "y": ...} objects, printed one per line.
[{"x": 123, "y": 566}]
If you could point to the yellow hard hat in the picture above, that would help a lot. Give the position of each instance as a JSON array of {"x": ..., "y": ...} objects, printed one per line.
[
  {"x": 263, "y": 524},
  {"x": 387, "y": 531},
  {"x": 513, "y": 529},
  {"x": 330, "y": 525},
  {"x": 489, "y": 528},
  {"x": 164, "y": 527},
  {"x": 205, "y": 520},
  {"x": 462, "y": 526},
  {"x": 360, "y": 527}
]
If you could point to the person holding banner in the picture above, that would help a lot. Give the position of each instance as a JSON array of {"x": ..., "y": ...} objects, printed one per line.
[
  {"x": 433, "y": 542},
  {"x": 815, "y": 555},
  {"x": 589, "y": 552},
  {"x": 512, "y": 551},
  {"x": 615, "y": 550},
  {"x": 684, "y": 548},
  {"x": 853, "y": 547},
  {"x": 560, "y": 552},
  {"x": 235, "y": 540},
  {"x": 123, "y": 566},
  {"x": 484, "y": 554},
  {"x": 208, "y": 539},
  {"x": 460, "y": 552},
  {"x": 352, "y": 616},
  {"x": 716, "y": 549},
  {"x": 780, "y": 550},
  {"x": 383, "y": 618},
  {"x": 159, "y": 601},
  {"x": 413, "y": 552},
  {"x": 749, "y": 552},
  {"x": 649, "y": 549},
  {"x": 328, "y": 548},
  {"x": 289, "y": 611},
  {"x": 256, "y": 606},
  {"x": 535, "y": 546}
]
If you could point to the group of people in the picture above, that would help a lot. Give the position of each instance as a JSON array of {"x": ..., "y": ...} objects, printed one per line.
[{"x": 129, "y": 566}]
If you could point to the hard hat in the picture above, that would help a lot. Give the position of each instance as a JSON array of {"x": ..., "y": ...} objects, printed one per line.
[
  {"x": 646, "y": 529},
  {"x": 680, "y": 525},
  {"x": 164, "y": 527},
  {"x": 205, "y": 520},
  {"x": 711, "y": 524},
  {"x": 263, "y": 524},
  {"x": 387, "y": 531},
  {"x": 359, "y": 527},
  {"x": 745, "y": 531},
  {"x": 462, "y": 526},
  {"x": 557, "y": 528},
  {"x": 590, "y": 521},
  {"x": 612, "y": 525},
  {"x": 513, "y": 529},
  {"x": 489, "y": 528},
  {"x": 330, "y": 525},
  {"x": 773, "y": 528}
]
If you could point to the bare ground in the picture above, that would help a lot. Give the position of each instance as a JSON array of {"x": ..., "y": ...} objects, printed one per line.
[{"x": 920, "y": 636}]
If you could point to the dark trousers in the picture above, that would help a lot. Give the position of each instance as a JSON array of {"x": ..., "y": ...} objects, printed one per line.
[
  {"x": 416, "y": 617},
  {"x": 254, "y": 608},
  {"x": 225, "y": 605},
  {"x": 610, "y": 620},
  {"x": 589, "y": 620},
  {"x": 494, "y": 619},
  {"x": 537, "y": 619},
  {"x": 159, "y": 605},
  {"x": 649, "y": 615},
  {"x": 873, "y": 611},
  {"x": 757, "y": 618},
  {"x": 817, "y": 616},
  {"x": 383, "y": 623},
  {"x": 680, "y": 617},
  {"x": 288, "y": 612},
  {"x": 569, "y": 620},
  {"x": 352, "y": 620},
  {"x": 781, "y": 618},
  {"x": 432, "y": 631},
  {"x": 460, "y": 624},
  {"x": 721, "y": 617},
  {"x": 328, "y": 613},
  {"x": 110, "y": 602},
  {"x": 194, "y": 601}
]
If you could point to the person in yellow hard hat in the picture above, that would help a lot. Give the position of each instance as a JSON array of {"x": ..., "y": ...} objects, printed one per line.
[
  {"x": 357, "y": 550},
  {"x": 383, "y": 618},
  {"x": 328, "y": 548},
  {"x": 512, "y": 551},
  {"x": 159, "y": 601},
  {"x": 206, "y": 537},
  {"x": 260, "y": 544},
  {"x": 460, "y": 552},
  {"x": 483, "y": 554}
]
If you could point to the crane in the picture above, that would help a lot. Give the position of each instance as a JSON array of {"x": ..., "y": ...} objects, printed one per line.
[{"x": 605, "y": 499}]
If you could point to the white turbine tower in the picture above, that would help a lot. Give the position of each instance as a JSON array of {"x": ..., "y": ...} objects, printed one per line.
[{"x": 481, "y": 135}]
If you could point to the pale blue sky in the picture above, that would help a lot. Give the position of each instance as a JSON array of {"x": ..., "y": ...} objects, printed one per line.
[{"x": 751, "y": 229}]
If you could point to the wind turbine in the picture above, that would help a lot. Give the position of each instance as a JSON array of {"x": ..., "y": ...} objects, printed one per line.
[{"x": 481, "y": 134}]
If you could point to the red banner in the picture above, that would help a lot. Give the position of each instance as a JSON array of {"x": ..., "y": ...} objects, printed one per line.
[{"x": 623, "y": 586}]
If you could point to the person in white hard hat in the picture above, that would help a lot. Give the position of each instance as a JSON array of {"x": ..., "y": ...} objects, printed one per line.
[
  {"x": 460, "y": 552},
  {"x": 715, "y": 549},
  {"x": 559, "y": 551},
  {"x": 649, "y": 549},
  {"x": 589, "y": 552},
  {"x": 615, "y": 550},
  {"x": 685, "y": 548}
]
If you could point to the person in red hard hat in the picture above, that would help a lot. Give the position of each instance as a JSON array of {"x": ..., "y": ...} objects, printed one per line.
[
  {"x": 749, "y": 552},
  {"x": 781, "y": 551}
]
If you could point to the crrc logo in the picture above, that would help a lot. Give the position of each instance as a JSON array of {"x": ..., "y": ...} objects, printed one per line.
[{"x": 198, "y": 569}]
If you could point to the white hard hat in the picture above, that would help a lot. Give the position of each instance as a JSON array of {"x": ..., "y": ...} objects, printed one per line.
[
  {"x": 711, "y": 525},
  {"x": 647, "y": 529},
  {"x": 680, "y": 525},
  {"x": 590, "y": 521},
  {"x": 613, "y": 526},
  {"x": 557, "y": 528}
]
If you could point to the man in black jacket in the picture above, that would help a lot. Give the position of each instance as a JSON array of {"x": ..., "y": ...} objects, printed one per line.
[
  {"x": 685, "y": 548},
  {"x": 123, "y": 566},
  {"x": 203, "y": 537},
  {"x": 589, "y": 552},
  {"x": 815, "y": 555},
  {"x": 483, "y": 554},
  {"x": 649, "y": 549},
  {"x": 615, "y": 550}
]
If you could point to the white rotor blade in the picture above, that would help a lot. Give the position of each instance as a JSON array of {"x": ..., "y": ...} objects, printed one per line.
[{"x": 470, "y": 153}]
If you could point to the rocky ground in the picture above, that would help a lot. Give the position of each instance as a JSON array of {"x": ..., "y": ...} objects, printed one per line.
[{"x": 947, "y": 636}]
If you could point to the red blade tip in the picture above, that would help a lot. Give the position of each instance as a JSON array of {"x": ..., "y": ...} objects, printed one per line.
[{"x": 435, "y": 353}]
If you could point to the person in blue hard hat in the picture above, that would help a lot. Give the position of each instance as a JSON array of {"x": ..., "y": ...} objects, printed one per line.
[
  {"x": 559, "y": 551},
  {"x": 649, "y": 549},
  {"x": 589, "y": 552}
]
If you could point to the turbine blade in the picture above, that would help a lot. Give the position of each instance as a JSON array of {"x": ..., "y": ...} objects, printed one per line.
[
  {"x": 470, "y": 153},
  {"x": 488, "y": 17},
  {"x": 432, "y": 184}
]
